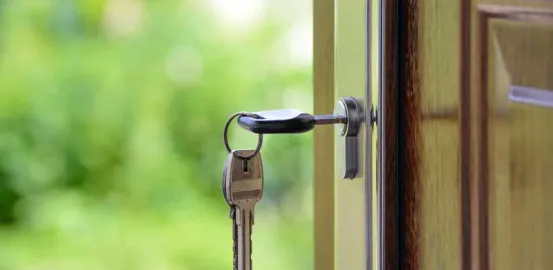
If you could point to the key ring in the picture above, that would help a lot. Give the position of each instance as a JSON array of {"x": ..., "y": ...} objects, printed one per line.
[{"x": 225, "y": 135}]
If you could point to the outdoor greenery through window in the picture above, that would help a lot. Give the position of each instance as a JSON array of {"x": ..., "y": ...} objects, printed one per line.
[{"x": 111, "y": 117}]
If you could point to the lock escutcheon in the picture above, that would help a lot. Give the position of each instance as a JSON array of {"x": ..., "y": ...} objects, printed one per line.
[
  {"x": 348, "y": 141},
  {"x": 351, "y": 109}
]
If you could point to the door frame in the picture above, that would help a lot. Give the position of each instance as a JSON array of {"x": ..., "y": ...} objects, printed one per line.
[
  {"x": 399, "y": 119},
  {"x": 392, "y": 242},
  {"x": 338, "y": 203},
  {"x": 393, "y": 74},
  {"x": 323, "y": 137},
  {"x": 398, "y": 176}
]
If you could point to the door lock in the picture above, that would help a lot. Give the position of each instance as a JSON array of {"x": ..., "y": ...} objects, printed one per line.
[
  {"x": 347, "y": 143},
  {"x": 349, "y": 116}
]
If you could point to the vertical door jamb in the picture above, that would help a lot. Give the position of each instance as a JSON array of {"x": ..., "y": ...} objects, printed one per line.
[
  {"x": 323, "y": 137},
  {"x": 397, "y": 157}
]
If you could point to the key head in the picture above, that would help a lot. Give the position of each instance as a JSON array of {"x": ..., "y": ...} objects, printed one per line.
[
  {"x": 278, "y": 121},
  {"x": 243, "y": 179}
]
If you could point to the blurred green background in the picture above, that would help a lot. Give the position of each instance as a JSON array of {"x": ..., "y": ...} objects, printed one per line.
[{"x": 111, "y": 117}]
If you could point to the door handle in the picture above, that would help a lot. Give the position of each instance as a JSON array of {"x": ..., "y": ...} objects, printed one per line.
[{"x": 531, "y": 95}]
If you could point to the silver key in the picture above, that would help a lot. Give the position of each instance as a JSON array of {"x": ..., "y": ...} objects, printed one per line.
[{"x": 243, "y": 188}]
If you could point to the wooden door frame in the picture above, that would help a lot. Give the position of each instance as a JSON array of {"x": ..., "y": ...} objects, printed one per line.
[
  {"x": 400, "y": 114},
  {"x": 324, "y": 39},
  {"x": 340, "y": 68},
  {"x": 398, "y": 107},
  {"x": 323, "y": 137},
  {"x": 397, "y": 171}
]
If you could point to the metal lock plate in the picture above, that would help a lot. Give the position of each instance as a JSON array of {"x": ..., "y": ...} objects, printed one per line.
[{"x": 348, "y": 139}]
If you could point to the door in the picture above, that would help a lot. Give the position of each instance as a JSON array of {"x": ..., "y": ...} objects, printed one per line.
[
  {"x": 468, "y": 134},
  {"x": 459, "y": 175}
]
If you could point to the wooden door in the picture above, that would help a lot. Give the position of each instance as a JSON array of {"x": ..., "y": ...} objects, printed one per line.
[
  {"x": 468, "y": 122},
  {"x": 465, "y": 134}
]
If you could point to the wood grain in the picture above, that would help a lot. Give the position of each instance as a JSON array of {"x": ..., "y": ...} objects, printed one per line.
[
  {"x": 402, "y": 117},
  {"x": 441, "y": 142},
  {"x": 389, "y": 135},
  {"x": 423, "y": 217},
  {"x": 410, "y": 145},
  {"x": 466, "y": 172}
]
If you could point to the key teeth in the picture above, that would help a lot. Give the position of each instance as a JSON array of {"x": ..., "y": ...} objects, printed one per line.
[
  {"x": 251, "y": 247},
  {"x": 232, "y": 215}
]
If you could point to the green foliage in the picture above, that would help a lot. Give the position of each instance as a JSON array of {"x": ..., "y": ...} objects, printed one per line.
[{"x": 110, "y": 138}]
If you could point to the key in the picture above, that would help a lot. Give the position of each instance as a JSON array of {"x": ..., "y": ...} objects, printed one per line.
[
  {"x": 243, "y": 188},
  {"x": 286, "y": 121},
  {"x": 348, "y": 112}
]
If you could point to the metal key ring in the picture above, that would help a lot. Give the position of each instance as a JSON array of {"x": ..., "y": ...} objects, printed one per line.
[{"x": 225, "y": 135}]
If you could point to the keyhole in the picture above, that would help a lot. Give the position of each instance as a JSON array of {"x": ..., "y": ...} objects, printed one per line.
[{"x": 245, "y": 166}]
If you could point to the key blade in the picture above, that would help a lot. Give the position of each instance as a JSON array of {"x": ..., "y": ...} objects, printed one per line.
[
  {"x": 244, "y": 224},
  {"x": 232, "y": 215}
]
